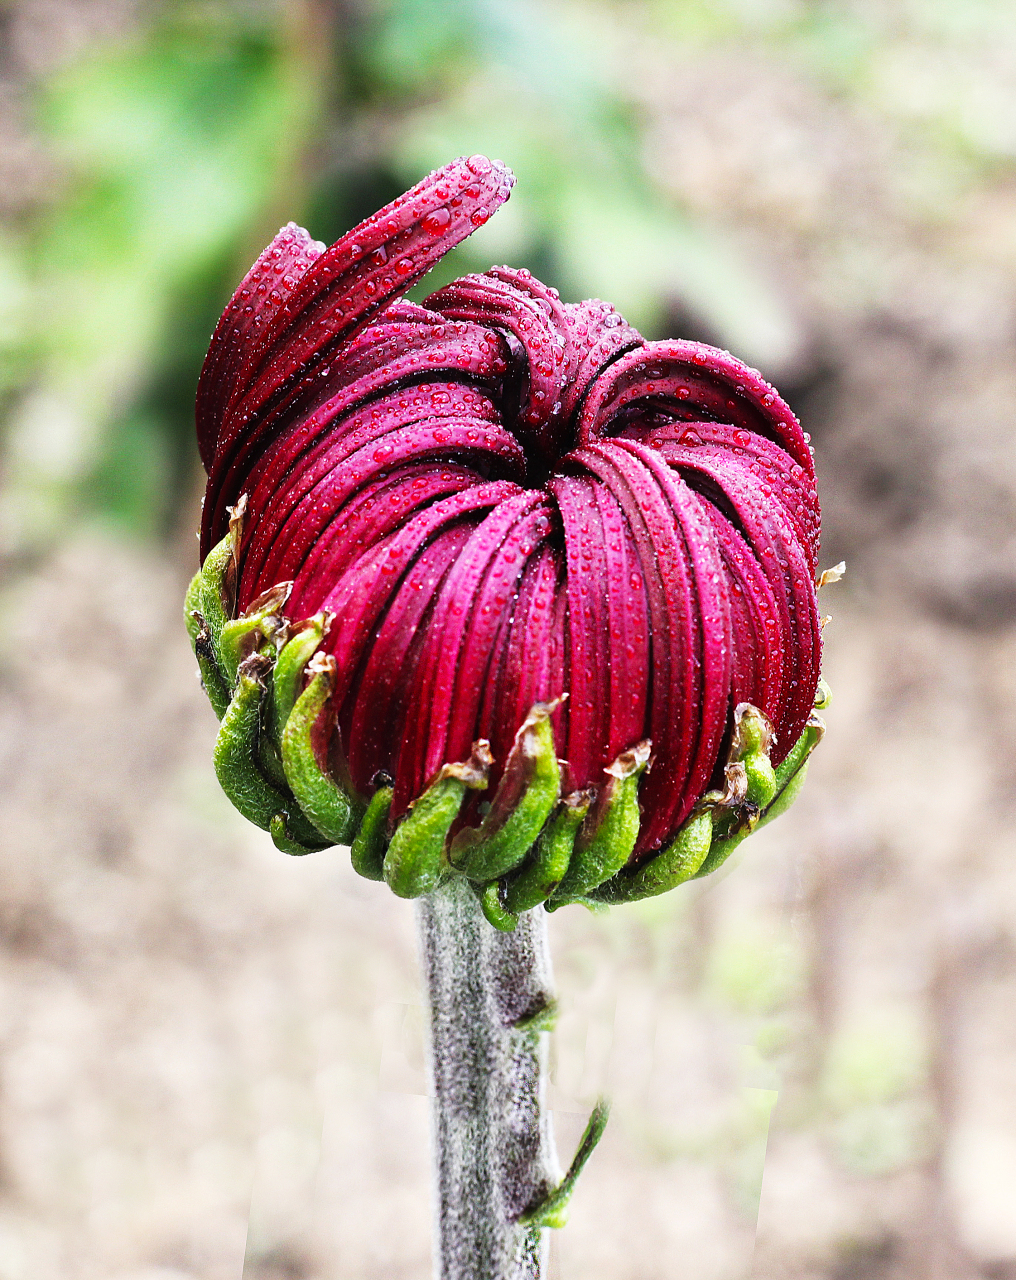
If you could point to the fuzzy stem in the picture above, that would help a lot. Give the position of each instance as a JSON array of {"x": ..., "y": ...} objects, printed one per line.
[{"x": 491, "y": 1004}]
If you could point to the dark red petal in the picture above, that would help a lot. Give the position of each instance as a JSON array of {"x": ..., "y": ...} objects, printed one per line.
[
  {"x": 387, "y": 355},
  {"x": 379, "y": 704},
  {"x": 362, "y": 594},
  {"x": 712, "y": 613},
  {"x": 757, "y": 674},
  {"x": 526, "y": 675},
  {"x": 489, "y": 617},
  {"x": 519, "y": 304},
  {"x": 260, "y": 295},
  {"x": 692, "y": 381},
  {"x": 597, "y": 335},
  {"x": 629, "y": 629},
  {"x": 588, "y": 672},
  {"x": 779, "y": 477},
  {"x": 276, "y": 489},
  {"x": 362, "y": 273},
  {"x": 771, "y": 535},
  {"x": 490, "y": 448},
  {"x": 676, "y": 709},
  {"x": 437, "y": 719}
]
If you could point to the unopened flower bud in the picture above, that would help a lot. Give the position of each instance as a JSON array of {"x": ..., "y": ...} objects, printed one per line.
[{"x": 492, "y": 587}]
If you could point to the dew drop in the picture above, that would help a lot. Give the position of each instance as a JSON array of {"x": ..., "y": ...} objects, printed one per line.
[{"x": 436, "y": 221}]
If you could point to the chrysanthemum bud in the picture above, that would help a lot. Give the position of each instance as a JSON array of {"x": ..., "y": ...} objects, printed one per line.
[{"x": 464, "y": 559}]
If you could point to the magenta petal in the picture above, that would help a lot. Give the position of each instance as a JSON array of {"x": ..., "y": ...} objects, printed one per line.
[
  {"x": 363, "y": 272},
  {"x": 384, "y": 356},
  {"x": 692, "y": 381},
  {"x": 380, "y": 705},
  {"x": 519, "y": 304},
  {"x": 440, "y": 721},
  {"x": 770, "y": 533},
  {"x": 589, "y": 666},
  {"x": 628, "y": 629},
  {"x": 597, "y": 335},
  {"x": 260, "y": 296},
  {"x": 675, "y": 710}
]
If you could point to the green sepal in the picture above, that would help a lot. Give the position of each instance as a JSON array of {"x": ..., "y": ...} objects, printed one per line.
[
  {"x": 680, "y": 861},
  {"x": 192, "y": 616},
  {"x": 489, "y": 897},
  {"x": 367, "y": 852},
  {"x": 211, "y": 676},
  {"x": 415, "y": 860},
  {"x": 542, "y": 1019},
  {"x": 528, "y": 790},
  {"x": 236, "y": 758},
  {"x": 552, "y": 1211},
  {"x": 540, "y": 875},
  {"x": 240, "y": 637},
  {"x": 593, "y": 905},
  {"x": 791, "y": 773},
  {"x": 332, "y": 811},
  {"x": 201, "y": 642},
  {"x": 788, "y": 781},
  {"x": 284, "y": 842},
  {"x": 287, "y": 678},
  {"x": 600, "y": 854},
  {"x": 218, "y": 576}
]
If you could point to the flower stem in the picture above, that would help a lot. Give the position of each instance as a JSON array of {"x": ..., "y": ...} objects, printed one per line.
[{"x": 491, "y": 1005}]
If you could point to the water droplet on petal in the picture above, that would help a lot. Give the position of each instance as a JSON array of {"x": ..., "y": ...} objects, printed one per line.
[{"x": 436, "y": 221}]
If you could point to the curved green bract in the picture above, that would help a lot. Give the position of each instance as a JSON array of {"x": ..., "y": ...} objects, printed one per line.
[
  {"x": 603, "y": 853},
  {"x": 211, "y": 675},
  {"x": 489, "y": 897},
  {"x": 415, "y": 860},
  {"x": 526, "y": 794},
  {"x": 545, "y": 869},
  {"x": 679, "y": 862},
  {"x": 193, "y": 618},
  {"x": 236, "y": 764},
  {"x": 287, "y": 678},
  {"x": 334, "y": 813},
  {"x": 213, "y": 587},
  {"x": 284, "y": 842},
  {"x": 367, "y": 852}
]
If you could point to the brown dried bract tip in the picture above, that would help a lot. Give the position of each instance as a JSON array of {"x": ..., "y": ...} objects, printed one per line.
[
  {"x": 270, "y": 601},
  {"x": 474, "y": 771},
  {"x": 256, "y": 667},
  {"x": 631, "y": 761}
]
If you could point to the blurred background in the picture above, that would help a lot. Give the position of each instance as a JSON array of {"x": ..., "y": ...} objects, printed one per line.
[{"x": 211, "y": 1056}]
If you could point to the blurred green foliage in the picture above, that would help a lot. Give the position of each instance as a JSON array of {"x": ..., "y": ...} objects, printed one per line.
[{"x": 181, "y": 148}]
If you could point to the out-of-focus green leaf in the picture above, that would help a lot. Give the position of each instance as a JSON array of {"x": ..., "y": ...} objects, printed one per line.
[
  {"x": 174, "y": 147},
  {"x": 594, "y": 222}
]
